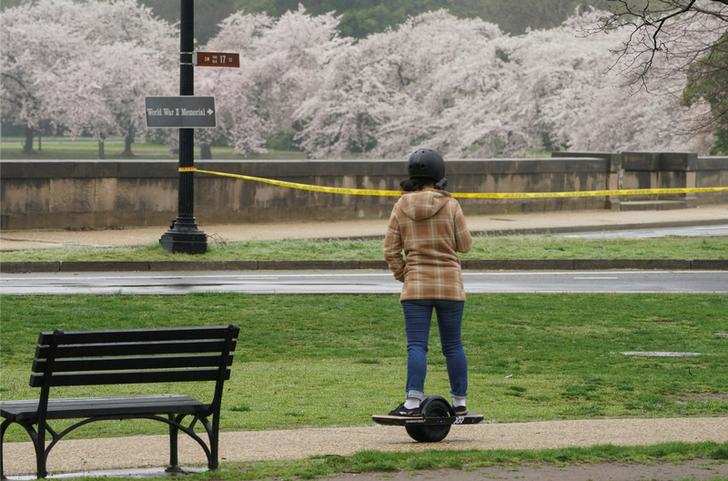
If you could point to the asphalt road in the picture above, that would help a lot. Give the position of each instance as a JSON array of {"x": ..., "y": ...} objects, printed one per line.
[
  {"x": 360, "y": 282},
  {"x": 691, "y": 231}
]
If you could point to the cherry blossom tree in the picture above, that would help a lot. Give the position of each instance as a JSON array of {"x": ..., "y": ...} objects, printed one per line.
[
  {"x": 86, "y": 66},
  {"x": 238, "y": 119},
  {"x": 420, "y": 84},
  {"x": 346, "y": 113},
  {"x": 34, "y": 45},
  {"x": 584, "y": 98},
  {"x": 131, "y": 55},
  {"x": 674, "y": 38},
  {"x": 678, "y": 32},
  {"x": 280, "y": 63},
  {"x": 464, "y": 88},
  {"x": 93, "y": 100},
  {"x": 289, "y": 57}
]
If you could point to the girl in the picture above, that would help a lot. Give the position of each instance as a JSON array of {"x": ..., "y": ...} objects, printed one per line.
[{"x": 428, "y": 225}]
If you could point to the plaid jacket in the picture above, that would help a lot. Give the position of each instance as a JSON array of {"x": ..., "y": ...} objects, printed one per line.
[{"x": 429, "y": 227}]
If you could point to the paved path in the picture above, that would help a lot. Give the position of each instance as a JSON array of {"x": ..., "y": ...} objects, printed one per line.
[
  {"x": 360, "y": 282},
  {"x": 141, "y": 451},
  {"x": 649, "y": 233},
  {"x": 559, "y": 221}
]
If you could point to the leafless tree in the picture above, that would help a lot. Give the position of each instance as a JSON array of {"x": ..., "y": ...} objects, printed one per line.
[
  {"x": 682, "y": 31},
  {"x": 677, "y": 37}
]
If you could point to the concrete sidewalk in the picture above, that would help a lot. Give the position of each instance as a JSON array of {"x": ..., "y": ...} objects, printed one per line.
[
  {"x": 542, "y": 222},
  {"x": 143, "y": 451}
]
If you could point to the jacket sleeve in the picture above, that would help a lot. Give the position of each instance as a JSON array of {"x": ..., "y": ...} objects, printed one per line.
[
  {"x": 463, "y": 240},
  {"x": 393, "y": 248}
]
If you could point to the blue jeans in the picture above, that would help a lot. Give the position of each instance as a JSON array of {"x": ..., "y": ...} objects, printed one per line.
[{"x": 417, "y": 315}]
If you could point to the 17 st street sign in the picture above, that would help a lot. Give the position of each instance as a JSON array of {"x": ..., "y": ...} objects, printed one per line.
[
  {"x": 184, "y": 112},
  {"x": 217, "y": 59}
]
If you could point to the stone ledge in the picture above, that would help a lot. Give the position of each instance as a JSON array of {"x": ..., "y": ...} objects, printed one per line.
[{"x": 291, "y": 169}]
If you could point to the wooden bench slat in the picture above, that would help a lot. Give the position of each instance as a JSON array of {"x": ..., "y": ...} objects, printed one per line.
[
  {"x": 137, "y": 335},
  {"x": 133, "y": 349},
  {"x": 120, "y": 364},
  {"x": 139, "y": 377},
  {"x": 72, "y": 408}
]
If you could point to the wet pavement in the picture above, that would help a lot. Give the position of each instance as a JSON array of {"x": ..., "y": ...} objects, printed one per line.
[{"x": 359, "y": 282}]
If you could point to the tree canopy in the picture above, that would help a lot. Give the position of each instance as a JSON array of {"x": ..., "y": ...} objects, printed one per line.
[
  {"x": 461, "y": 85},
  {"x": 362, "y": 17},
  {"x": 673, "y": 38}
]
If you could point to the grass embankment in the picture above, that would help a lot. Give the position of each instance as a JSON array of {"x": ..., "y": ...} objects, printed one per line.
[
  {"x": 55, "y": 147},
  {"x": 485, "y": 247},
  {"x": 371, "y": 461},
  {"x": 336, "y": 359},
  {"x": 84, "y": 148}
]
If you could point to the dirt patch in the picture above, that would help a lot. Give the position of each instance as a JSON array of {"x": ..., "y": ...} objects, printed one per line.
[
  {"x": 662, "y": 320},
  {"x": 705, "y": 396},
  {"x": 697, "y": 470}
]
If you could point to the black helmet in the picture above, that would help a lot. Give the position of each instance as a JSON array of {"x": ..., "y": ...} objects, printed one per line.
[{"x": 427, "y": 164}]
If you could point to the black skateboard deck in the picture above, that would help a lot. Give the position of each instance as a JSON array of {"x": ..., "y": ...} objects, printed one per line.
[{"x": 424, "y": 421}]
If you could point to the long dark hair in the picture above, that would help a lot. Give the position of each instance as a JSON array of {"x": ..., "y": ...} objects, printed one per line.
[
  {"x": 419, "y": 183},
  {"x": 413, "y": 185}
]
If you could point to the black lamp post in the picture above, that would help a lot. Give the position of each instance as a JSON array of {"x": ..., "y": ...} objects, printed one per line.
[{"x": 183, "y": 235}]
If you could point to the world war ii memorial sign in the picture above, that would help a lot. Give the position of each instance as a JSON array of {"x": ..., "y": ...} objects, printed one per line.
[{"x": 185, "y": 112}]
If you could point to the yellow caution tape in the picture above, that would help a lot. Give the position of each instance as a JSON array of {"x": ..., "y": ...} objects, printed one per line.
[
  {"x": 298, "y": 186},
  {"x": 465, "y": 195}
]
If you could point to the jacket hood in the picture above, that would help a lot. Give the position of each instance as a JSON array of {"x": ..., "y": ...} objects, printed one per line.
[{"x": 423, "y": 204}]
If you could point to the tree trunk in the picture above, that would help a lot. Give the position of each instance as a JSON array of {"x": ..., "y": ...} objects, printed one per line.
[
  {"x": 205, "y": 151},
  {"x": 28, "y": 145},
  {"x": 128, "y": 140},
  {"x": 102, "y": 150},
  {"x": 40, "y": 142}
]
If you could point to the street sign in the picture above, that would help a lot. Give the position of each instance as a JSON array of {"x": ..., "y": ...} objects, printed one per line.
[
  {"x": 217, "y": 59},
  {"x": 185, "y": 112}
]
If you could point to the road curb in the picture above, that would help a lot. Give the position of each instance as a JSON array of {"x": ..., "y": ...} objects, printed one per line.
[{"x": 470, "y": 264}]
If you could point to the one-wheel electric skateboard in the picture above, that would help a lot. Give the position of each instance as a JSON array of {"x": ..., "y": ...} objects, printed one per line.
[{"x": 434, "y": 424}]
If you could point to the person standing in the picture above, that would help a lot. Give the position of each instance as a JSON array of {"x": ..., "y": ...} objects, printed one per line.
[{"x": 426, "y": 229}]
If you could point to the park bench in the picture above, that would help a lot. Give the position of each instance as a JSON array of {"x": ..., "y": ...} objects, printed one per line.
[{"x": 125, "y": 357}]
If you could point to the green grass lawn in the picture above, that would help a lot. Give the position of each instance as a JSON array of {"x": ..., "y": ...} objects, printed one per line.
[
  {"x": 333, "y": 360},
  {"x": 372, "y": 461},
  {"x": 85, "y": 148},
  {"x": 54, "y": 147},
  {"x": 485, "y": 247}
]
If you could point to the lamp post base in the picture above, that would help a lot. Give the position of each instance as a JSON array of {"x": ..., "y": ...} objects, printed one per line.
[{"x": 183, "y": 236}]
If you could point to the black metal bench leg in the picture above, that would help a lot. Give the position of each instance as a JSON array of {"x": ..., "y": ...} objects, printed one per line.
[
  {"x": 173, "y": 451},
  {"x": 40, "y": 454},
  {"x": 3, "y": 428},
  {"x": 214, "y": 434}
]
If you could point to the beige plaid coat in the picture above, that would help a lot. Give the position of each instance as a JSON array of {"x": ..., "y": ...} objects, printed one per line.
[{"x": 429, "y": 227}]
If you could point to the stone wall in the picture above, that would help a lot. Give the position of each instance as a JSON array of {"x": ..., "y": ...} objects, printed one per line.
[
  {"x": 645, "y": 170},
  {"x": 710, "y": 172},
  {"x": 103, "y": 194}
]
